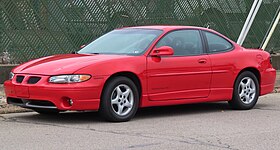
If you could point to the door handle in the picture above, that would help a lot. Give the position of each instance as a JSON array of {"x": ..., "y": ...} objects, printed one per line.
[{"x": 202, "y": 61}]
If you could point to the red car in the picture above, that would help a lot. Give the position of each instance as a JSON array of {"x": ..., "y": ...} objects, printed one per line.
[{"x": 144, "y": 66}]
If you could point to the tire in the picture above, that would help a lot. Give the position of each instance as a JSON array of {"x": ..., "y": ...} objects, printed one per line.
[
  {"x": 246, "y": 91},
  {"x": 46, "y": 111},
  {"x": 119, "y": 100}
]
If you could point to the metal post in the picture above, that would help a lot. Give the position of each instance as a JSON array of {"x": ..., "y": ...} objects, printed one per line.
[
  {"x": 271, "y": 30},
  {"x": 252, "y": 20},
  {"x": 249, "y": 21},
  {"x": 246, "y": 22}
]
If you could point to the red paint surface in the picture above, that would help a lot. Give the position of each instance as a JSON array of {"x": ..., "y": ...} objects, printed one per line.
[{"x": 165, "y": 80}]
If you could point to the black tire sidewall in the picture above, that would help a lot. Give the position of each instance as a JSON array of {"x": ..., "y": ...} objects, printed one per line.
[
  {"x": 106, "y": 110},
  {"x": 237, "y": 102}
]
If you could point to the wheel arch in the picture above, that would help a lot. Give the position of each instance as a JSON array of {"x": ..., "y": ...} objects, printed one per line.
[
  {"x": 132, "y": 76},
  {"x": 255, "y": 71}
]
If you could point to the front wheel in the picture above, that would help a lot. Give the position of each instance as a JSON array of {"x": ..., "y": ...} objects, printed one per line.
[
  {"x": 120, "y": 99},
  {"x": 246, "y": 91}
]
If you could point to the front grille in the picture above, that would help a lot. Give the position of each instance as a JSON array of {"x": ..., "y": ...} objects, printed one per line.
[
  {"x": 33, "y": 80},
  {"x": 31, "y": 103},
  {"x": 19, "y": 78}
]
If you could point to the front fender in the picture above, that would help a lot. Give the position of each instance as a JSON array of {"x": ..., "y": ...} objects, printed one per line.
[{"x": 105, "y": 69}]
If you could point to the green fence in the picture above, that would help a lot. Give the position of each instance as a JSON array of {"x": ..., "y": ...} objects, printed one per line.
[{"x": 34, "y": 28}]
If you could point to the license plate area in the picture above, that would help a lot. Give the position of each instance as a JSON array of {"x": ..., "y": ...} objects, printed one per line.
[{"x": 22, "y": 91}]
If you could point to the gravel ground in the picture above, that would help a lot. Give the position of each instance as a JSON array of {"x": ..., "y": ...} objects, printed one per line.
[{"x": 206, "y": 126}]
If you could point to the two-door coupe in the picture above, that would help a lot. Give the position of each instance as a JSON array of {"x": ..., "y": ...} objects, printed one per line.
[{"x": 144, "y": 66}]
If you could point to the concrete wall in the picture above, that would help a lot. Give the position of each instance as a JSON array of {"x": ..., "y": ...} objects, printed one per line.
[
  {"x": 4, "y": 72},
  {"x": 276, "y": 61}
]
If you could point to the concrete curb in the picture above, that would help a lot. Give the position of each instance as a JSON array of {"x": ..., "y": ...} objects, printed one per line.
[
  {"x": 6, "y": 109},
  {"x": 277, "y": 90}
]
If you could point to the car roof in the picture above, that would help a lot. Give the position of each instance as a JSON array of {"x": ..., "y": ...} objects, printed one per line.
[{"x": 168, "y": 28}]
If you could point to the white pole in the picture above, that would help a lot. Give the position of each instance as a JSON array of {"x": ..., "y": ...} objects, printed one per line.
[
  {"x": 271, "y": 31},
  {"x": 252, "y": 20},
  {"x": 246, "y": 22},
  {"x": 242, "y": 33}
]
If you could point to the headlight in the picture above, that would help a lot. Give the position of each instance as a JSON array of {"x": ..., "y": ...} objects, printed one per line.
[
  {"x": 11, "y": 76},
  {"x": 69, "y": 78}
]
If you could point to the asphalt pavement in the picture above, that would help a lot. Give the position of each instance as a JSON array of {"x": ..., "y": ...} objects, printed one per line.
[{"x": 196, "y": 126}]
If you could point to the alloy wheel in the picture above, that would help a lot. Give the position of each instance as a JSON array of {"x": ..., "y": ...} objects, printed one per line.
[
  {"x": 122, "y": 100},
  {"x": 247, "y": 90}
]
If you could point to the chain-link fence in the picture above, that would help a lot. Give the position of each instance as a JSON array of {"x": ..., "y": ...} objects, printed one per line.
[{"x": 34, "y": 28}]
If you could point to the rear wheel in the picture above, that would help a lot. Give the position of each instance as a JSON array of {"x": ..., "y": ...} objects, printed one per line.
[
  {"x": 120, "y": 99},
  {"x": 246, "y": 91}
]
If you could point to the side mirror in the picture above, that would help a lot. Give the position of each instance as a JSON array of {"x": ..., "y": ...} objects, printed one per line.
[{"x": 162, "y": 51}]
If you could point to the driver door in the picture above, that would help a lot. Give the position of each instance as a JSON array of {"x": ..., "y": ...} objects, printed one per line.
[{"x": 186, "y": 74}]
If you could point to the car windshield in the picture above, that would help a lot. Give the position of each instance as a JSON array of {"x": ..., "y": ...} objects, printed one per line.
[{"x": 123, "y": 41}]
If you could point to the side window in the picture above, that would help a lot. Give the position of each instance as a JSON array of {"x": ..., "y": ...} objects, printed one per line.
[
  {"x": 216, "y": 43},
  {"x": 183, "y": 42}
]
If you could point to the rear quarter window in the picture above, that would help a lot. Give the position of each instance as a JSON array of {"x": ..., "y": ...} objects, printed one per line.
[{"x": 217, "y": 43}]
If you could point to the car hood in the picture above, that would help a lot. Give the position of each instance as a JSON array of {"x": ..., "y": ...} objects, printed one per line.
[{"x": 62, "y": 64}]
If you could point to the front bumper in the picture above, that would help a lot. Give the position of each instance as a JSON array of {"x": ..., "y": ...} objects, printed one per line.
[{"x": 42, "y": 94}]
